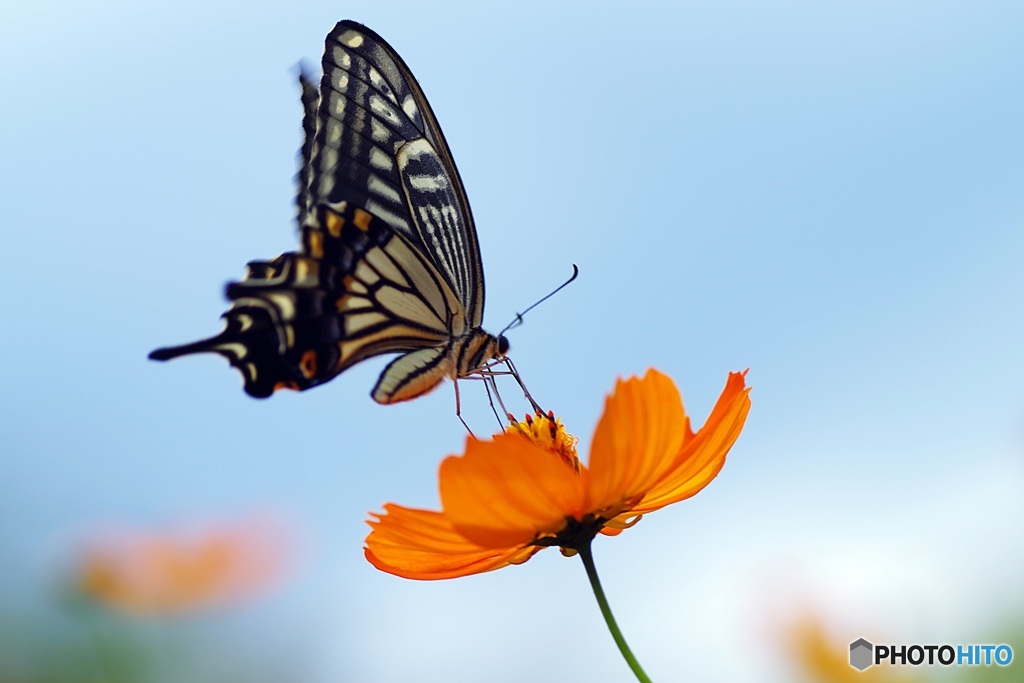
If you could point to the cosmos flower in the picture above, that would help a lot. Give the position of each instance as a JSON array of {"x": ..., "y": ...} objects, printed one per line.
[
  {"x": 525, "y": 489},
  {"x": 823, "y": 658},
  {"x": 164, "y": 573}
]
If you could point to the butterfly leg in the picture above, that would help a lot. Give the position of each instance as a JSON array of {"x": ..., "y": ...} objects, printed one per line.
[
  {"x": 490, "y": 384},
  {"x": 519, "y": 381},
  {"x": 488, "y": 373},
  {"x": 490, "y": 399},
  {"x": 458, "y": 408}
]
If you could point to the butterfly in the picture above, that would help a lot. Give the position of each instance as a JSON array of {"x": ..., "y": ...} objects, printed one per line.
[{"x": 389, "y": 259}]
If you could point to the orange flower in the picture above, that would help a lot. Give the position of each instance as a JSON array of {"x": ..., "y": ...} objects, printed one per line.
[
  {"x": 508, "y": 497},
  {"x": 826, "y": 659},
  {"x": 159, "y": 574}
]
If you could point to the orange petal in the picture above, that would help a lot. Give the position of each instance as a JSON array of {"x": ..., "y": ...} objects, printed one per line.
[
  {"x": 422, "y": 544},
  {"x": 637, "y": 439},
  {"x": 702, "y": 455},
  {"x": 507, "y": 491}
]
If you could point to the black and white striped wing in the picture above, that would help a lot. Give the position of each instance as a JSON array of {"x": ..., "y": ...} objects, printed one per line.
[
  {"x": 356, "y": 289},
  {"x": 310, "y": 103},
  {"x": 377, "y": 145},
  {"x": 389, "y": 260}
]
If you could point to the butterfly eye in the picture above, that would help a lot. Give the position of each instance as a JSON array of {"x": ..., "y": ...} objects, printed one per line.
[{"x": 502, "y": 345}]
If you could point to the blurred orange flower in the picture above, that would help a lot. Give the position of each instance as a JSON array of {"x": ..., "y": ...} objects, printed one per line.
[
  {"x": 825, "y": 660},
  {"x": 506, "y": 498},
  {"x": 148, "y": 573}
]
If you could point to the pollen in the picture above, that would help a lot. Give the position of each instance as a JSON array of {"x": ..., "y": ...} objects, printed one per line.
[{"x": 549, "y": 432}]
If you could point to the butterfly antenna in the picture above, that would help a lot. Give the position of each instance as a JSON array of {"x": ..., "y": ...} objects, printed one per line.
[{"x": 519, "y": 316}]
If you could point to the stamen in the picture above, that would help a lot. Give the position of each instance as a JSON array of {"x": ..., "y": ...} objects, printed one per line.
[{"x": 549, "y": 432}]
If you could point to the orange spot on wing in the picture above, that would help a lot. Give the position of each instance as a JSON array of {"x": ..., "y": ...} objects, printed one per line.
[
  {"x": 308, "y": 364},
  {"x": 362, "y": 220},
  {"x": 334, "y": 223},
  {"x": 315, "y": 244}
]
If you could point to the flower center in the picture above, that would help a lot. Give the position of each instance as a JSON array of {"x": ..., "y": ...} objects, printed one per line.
[
  {"x": 575, "y": 535},
  {"x": 548, "y": 432}
]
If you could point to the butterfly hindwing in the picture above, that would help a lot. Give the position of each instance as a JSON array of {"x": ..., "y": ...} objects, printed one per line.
[{"x": 357, "y": 289}]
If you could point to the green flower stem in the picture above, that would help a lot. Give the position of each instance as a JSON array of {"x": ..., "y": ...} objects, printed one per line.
[{"x": 602, "y": 601}]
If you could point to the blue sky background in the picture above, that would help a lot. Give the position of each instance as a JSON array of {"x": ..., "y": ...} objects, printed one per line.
[{"x": 827, "y": 193}]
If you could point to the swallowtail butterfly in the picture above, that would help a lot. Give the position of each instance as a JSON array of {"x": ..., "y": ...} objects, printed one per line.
[{"x": 389, "y": 260}]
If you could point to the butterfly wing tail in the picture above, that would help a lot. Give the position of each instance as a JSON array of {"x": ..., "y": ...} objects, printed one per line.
[
  {"x": 277, "y": 302},
  {"x": 201, "y": 346},
  {"x": 251, "y": 343}
]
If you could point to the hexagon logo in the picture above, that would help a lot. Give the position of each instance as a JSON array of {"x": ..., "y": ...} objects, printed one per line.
[{"x": 861, "y": 654}]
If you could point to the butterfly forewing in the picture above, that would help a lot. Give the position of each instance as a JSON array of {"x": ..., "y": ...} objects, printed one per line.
[
  {"x": 310, "y": 101},
  {"x": 371, "y": 109}
]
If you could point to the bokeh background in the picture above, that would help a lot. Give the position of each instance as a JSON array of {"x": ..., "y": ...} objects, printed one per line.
[{"x": 827, "y": 193}]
